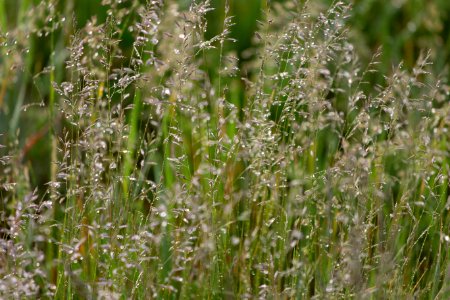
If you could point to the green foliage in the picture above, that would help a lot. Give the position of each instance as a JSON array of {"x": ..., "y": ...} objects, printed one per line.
[{"x": 224, "y": 149}]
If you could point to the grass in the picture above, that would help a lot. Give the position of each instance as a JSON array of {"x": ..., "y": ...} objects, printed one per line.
[{"x": 173, "y": 164}]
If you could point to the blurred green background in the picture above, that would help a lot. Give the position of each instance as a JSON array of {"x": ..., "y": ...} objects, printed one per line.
[{"x": 402, "y": 28}]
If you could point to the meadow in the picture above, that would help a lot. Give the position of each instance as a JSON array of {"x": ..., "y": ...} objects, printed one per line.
[{"x": 218, "y": 149}]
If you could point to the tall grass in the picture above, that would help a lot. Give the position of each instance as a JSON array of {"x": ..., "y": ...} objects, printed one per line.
[{"x": 177, "y": 171}]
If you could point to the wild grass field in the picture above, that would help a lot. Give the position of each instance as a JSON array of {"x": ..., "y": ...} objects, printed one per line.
[{"x": 235, "y": 149}]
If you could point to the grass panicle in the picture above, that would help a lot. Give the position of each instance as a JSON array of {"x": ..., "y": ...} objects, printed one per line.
[{"x": 176, "y": 167}]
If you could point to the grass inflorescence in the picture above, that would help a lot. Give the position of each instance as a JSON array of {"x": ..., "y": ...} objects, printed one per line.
[{"x": 172, "y": 167}]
